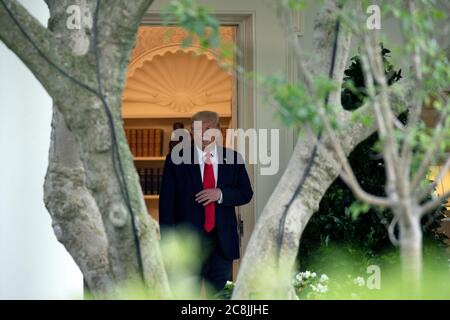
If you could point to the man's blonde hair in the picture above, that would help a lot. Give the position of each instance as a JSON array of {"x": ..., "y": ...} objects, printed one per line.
[{"x": 206, "y": 115}]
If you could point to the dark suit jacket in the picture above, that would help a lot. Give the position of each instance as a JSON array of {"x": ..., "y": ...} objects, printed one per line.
[{"x": 180, "y": 184}]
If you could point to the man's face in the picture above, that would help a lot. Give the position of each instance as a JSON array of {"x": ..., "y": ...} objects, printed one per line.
[{"x": 206, "y": 125}]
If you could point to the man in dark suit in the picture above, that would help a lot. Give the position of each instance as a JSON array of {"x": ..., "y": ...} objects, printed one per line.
[{"x": 202, "y": 194}]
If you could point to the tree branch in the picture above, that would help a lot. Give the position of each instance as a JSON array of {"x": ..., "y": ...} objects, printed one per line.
[
  {"x": 400, "y": 96},
  {"x": 394, "y": 173},
  {"x": 117, "y": 25},
  {"x": 119, "y": 20},
  {"x": 355, "y": 132},
  {"x": 421, "y": 194},
  {"x": 438, "y": 135},
  {"x": 434, "y": 203},
  {"x": 347, "y": 174},
  {"x": 40, "y": 50}
]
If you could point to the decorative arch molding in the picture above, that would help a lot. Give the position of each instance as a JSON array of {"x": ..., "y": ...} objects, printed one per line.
[
  {"x": 157, "y": 40},
  {"x": 176, "y": 82},
  {"x": 149, "y": 54},
  {"x": 150, "y": 37}
]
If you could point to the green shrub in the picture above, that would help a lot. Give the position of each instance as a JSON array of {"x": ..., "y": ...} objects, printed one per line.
[{"x": 366, "y": 236}]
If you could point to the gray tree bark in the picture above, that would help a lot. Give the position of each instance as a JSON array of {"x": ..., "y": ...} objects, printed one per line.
[
  {"x": 82, "y": 190},
  {"x": 261, "y": 249},
  {"x": 410, "y": 243},
  {"x": 260, "y": 261},
  {"x": 76, "y": 218}
]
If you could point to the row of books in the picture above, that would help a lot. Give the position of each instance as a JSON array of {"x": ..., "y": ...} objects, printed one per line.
[
  {"x": 150, "y": 180},
  {"x": 145, "y": 142}
]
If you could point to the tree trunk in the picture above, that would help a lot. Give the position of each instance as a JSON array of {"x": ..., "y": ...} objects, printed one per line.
[
  {"x": 76, "y": 219},
  {"x": 261, "y": 250},
  {"x": 84, "y": 190},
  {"x": 410, "y": 242}
]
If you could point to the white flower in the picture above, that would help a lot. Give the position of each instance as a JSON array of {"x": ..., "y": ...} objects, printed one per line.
[
  {"x": 313, "y": 275},
  {"x": 321, "y": 288},
  {"x": 306, "y": 274},
  {"x": 323, "y": 278},
  {"x": 298, "y": 277},
  {"x": 359, "y": 281}
]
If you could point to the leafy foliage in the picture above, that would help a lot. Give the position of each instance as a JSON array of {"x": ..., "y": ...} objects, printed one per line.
[
  {"x": 196, "y": 20},
  {"x": 339, "y": 220},
  {"x": 201, "y": 26},
  {"x": 297, "y": 106},
  {"x": 354, "y": 90}
]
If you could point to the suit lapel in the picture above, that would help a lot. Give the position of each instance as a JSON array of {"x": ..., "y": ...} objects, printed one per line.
[
  {"x": 194, "y": 171},
  {"x": 221, "y": 168}
]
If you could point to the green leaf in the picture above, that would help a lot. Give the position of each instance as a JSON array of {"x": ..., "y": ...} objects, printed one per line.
[{"x": 357, "y": 208}]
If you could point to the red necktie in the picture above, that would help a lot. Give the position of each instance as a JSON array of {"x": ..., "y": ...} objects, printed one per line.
[{"x": 208, "y": 183}]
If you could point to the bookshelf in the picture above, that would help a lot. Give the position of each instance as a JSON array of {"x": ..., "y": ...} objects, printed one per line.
[
  {"x": 149, "y": 159},
  {"x": 156, "y": 162},
  {"x": 151, "y": 196}
]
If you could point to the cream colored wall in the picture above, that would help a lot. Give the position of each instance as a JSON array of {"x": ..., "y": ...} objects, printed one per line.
[
  {"x": 33, "y": 264},
  {"x": 270, "y": 57},
  {"x": 389, "y": 28}
]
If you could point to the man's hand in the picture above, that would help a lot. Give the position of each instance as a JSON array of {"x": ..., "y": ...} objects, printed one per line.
[{"x": 207, "y": 196}]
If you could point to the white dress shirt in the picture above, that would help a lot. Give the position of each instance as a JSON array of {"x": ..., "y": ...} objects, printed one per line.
[{"x": 201, "y": 161}]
